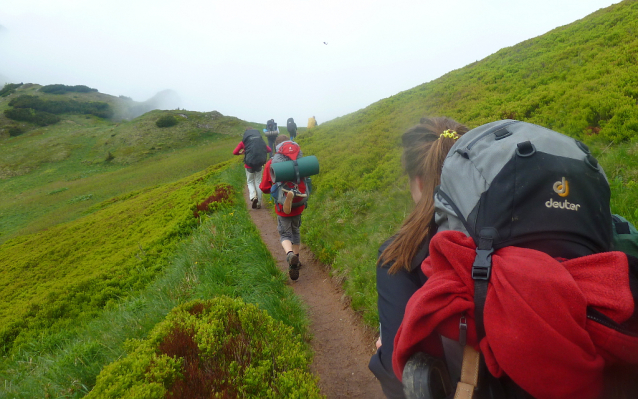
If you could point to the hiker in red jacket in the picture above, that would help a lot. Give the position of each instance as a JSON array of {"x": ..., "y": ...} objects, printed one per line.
[
  {"x": 399, "y": 273},
  {"x": 288, "y": 212}
]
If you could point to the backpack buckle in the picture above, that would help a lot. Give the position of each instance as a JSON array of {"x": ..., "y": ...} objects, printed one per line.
[{"x": 482, "y": 267}]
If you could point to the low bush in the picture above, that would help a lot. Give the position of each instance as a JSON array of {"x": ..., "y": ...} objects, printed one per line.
[
  {"x": 166, "y": 121},
  {"x": 15, "y": 130},
  {"x": 9, "y": 88},
  {"x": 61, "y": 89},
  {"x": 40, "y": 118},
  {"x": 221, "y": 197},
  {"x": 217, "y": 348},
  {"x": 97, "y": 108}
]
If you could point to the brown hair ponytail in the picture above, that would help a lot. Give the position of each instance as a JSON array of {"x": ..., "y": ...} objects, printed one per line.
[{"x": 424, "y": 150}]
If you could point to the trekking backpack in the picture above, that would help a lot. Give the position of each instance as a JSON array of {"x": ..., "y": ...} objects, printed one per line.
[
  {"x": 291, "y": 126},
  {"x": 255, "y": 150},
  {"x": 270, "y": 125},
  {"x": 511, "y": 183},
  {"x": 289, "y": 151}
]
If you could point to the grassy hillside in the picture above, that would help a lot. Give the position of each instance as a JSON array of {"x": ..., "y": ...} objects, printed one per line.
[
  {"x": 85, "y": 293},
  {"x": 103, "y": 231},
  {"x": 578, "y": 79},
  {"x": 57, "y": 173}
]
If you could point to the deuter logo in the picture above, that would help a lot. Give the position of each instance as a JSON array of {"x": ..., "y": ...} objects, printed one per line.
[
  {"x": 561, "y": 188},
  {"x": 562, "y": 205}
]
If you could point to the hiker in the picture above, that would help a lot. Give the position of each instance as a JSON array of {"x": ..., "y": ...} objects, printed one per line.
[
  {"x": 312, "y": 122},
  {"x": 255, "y": 152},
  {"x": 399, "y": 274},
  {"x": 524, "y": 297},
  {"x": 271, "y": 131},
  {"x": 289, "y": 212},
  {"x": 292, "y": 128}
]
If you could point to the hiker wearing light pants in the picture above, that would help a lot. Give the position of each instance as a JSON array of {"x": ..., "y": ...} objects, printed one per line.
[
  {"x": 253, "y": 179},
  {"x": 253, "y": 174}
]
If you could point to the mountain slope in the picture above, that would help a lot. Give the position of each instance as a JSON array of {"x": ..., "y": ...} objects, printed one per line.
[
  {"x": 55, "y": 173},
  {"x": 580, "y": 79}
]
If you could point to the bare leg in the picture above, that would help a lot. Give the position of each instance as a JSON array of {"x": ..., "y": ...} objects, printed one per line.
[
  {"x": 295, "y": 248},
  {"x": 287, "y": 244}
]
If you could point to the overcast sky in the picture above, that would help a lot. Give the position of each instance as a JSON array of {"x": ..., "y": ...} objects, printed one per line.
[{"x": 259, "y": 59}]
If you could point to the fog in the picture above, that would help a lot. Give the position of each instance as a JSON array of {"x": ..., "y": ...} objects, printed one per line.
[{"x": 259, "y": 60}]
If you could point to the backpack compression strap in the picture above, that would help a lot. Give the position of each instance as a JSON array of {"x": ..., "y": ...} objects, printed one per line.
[
  {"x": 481, "y": 272},
  {"x": 482, "y": 267},
  {"x": 296, "y": 165}
]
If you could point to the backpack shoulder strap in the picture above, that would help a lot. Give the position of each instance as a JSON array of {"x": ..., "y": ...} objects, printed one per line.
[{"x": 469, "y": 374}]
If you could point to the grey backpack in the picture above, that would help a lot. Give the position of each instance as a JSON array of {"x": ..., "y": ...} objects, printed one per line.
[{"x": 514, "y": 183}]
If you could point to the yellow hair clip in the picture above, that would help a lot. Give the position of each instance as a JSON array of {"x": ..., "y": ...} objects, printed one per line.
[{"x": 449, "y": 134}]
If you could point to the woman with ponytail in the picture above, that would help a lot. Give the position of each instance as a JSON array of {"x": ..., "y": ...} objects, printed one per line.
[{"x": 399, "y": 274}]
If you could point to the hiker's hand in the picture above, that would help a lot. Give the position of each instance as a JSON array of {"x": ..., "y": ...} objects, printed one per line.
[{"x": 378, "y": 343}]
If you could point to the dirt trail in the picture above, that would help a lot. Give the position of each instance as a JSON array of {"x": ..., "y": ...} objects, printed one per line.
[{"x": 341, "y": 344}]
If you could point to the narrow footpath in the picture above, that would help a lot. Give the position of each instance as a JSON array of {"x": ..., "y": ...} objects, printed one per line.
[{"x": 340, "y": 342}]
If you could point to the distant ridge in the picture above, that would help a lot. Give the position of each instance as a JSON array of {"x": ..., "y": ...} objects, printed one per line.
[{"x": 165, "y": 99}]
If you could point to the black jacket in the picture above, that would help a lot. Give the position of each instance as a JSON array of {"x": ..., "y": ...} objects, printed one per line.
[{"x": 394, "y": 292}]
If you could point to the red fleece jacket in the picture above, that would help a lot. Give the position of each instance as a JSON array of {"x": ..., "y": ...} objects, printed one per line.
[{"x": 537, "y": 331}]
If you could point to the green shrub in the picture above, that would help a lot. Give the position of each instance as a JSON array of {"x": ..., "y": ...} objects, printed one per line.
[
  {"x": 97, "y": 108},
  {"x": 217, "y": 348},
  {"x": 61, "y": 89},
  {"x": 15, "y": 130},
  {"x": 166, "y": 121},
  {"x": 9, "y": 88},
  {"x": 30, "y": 115}
]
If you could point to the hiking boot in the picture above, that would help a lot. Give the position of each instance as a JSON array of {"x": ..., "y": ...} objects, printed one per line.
[
  {"x": 288, "y": 202},
  {"x": 255, "y": 200},
  {"x": 293, "y": 273},
  {"x": 258, "y": 206},
  {"x": 295, "y": 192},
  {"x": 293, "y": 265}
]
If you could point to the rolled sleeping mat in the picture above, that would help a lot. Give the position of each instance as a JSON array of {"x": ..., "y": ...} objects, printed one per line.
[{"x": 287, "y": 171}]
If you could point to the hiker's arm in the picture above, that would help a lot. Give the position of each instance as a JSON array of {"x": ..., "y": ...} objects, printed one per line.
[
  {"x": 266, "y": 183},
  {"x": 239, "y": 149},
  {"x": 268, "y": 149},
  {"x": 394, "y": 292}
]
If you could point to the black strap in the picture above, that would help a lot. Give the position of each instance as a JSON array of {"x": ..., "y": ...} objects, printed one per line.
[
  {"x": 294, "y": 162},
  {"x": 621, "y": 226},
  {"x": 481, "y": 271}
]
